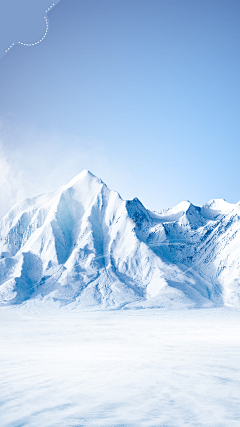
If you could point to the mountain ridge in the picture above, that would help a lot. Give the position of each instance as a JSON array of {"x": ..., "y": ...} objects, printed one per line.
[{"x": 84, "y": 246}]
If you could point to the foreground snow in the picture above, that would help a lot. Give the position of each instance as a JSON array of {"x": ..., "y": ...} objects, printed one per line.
[{"x": 138, "y": 368}]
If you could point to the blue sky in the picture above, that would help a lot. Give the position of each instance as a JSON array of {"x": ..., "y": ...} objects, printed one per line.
[{"x": 144, "y": 93}]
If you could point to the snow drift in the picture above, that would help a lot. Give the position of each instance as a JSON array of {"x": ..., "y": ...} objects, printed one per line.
[{"x": 83, "y": 246}]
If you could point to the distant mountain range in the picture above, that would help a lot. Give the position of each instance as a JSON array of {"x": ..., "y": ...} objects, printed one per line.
[{"x": 83, "y": 246}]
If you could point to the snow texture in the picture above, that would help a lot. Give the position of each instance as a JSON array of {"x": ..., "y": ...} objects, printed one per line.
[
  {"x": 128, "y": 368},
  {"x": 86, "y": 248}
]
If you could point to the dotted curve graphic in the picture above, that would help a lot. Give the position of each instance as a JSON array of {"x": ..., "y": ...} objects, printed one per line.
[{"x": 39, "y": 41}]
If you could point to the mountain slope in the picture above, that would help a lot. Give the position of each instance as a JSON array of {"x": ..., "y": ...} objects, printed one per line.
[{"x": 84, "y": 246}]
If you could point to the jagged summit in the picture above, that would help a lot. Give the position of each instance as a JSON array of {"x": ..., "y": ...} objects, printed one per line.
[
  {"x": 219, "y": 205},
  {"x": 83, "y": 246},
  {"x": 85, "y": 175},
  {"x": 216, "y": 207},
  {"x": 176, "y": 212}
]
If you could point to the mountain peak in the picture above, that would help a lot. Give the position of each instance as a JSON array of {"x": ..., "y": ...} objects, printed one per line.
[
  {"x": 216, "y": 207},
  {"x": 84, "y": 245},
  {"x": 85, "y": 175}
]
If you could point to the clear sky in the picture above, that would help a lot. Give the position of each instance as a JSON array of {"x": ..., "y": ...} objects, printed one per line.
[{"x": 143, "y": 93}]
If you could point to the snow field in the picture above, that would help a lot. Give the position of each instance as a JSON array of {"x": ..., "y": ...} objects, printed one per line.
[{"x": 128, "y": 368}]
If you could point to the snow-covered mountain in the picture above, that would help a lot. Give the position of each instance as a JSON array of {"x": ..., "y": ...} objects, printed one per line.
[{"x": 83, "y": 246}]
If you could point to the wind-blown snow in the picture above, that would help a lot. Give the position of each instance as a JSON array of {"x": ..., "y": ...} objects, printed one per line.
[
  {"x": 131, "y": 368},
  {"x": 84, "y": 247}
]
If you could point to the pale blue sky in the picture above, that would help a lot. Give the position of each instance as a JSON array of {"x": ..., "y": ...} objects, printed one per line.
[{"x": 144, "y": 93}]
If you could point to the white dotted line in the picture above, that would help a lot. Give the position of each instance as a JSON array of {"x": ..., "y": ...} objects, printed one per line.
[
  {"x": 49, "y": 8},
  {"x": 39, "y": 41},
  {"x": 9, "y": 47}
]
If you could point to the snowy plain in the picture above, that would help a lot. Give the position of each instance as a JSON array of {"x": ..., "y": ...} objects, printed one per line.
[{"x": 138, "y": 368}]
